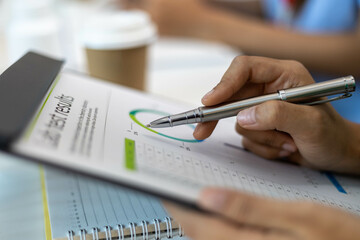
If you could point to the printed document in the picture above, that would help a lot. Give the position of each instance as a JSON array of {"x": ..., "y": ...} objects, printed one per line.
[{"x": 99, "y": 128}]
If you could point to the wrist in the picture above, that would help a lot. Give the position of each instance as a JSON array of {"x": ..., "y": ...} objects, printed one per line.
[
  {"x": 355, "y": 148},
  {"x": 349, "y": 158}
]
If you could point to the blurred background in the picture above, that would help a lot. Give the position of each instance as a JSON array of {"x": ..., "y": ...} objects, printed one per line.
[
  {"x": 196, "y": 40},
  {"x": 55, "y": 27}
]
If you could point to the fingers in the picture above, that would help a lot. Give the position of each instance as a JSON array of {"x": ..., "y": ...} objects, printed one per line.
[
  {"x": 267, "y": 144},
  {"x": 260, "y": 70},
  {"x": 247, "y": 209},
  {"x": 233, "y": 79},
  {"x": 265, "y": 151},
  {"x": 270, "y": 138},
  {"x": 247, "y": 91},
  {"x": 204, "y": 130},
  {"x": 252, "y": 76},
  {"x": 200, "y": 226},
  {"x": 291, "y": 118}
]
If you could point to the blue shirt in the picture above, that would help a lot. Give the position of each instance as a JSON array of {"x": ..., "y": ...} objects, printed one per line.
[{"x": 316, "y": 17}]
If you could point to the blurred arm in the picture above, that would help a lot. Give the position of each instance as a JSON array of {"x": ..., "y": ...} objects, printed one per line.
[{"x": 334, "y": 53}]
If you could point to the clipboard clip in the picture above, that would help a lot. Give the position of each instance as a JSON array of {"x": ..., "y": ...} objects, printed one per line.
[{"x": 345, "y": 95}]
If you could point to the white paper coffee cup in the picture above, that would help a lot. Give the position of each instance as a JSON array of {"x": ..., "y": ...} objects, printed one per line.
[{"x": 116, "y": 46}]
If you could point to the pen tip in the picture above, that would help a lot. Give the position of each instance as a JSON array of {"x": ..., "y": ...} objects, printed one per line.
[{"x": 148, "y": 125}]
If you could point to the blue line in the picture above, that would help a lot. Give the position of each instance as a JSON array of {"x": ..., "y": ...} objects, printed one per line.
[{"x": 333, "y": 180}]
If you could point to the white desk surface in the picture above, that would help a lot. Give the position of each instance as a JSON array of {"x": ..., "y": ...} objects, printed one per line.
[{"x": 180, "y": 69}]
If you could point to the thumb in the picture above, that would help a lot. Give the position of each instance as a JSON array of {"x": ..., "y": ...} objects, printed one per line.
[{"x": 277, "y": 115}]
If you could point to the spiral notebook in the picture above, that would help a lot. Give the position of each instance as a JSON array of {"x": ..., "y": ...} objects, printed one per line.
[{"x": 84, "y": 208}]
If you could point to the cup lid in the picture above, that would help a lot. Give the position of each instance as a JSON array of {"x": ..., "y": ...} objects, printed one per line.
[{"x": 119, "y": 30}]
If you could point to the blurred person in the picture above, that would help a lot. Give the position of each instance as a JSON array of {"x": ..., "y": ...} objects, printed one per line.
[
  {"x": 322, "y": 35},
  {"x": 313, "y": 136}
]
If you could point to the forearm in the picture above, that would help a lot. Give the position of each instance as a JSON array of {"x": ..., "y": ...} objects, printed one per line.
[
  {"x": 252, "y": 8},
  {"x": 324, "y": 53}
]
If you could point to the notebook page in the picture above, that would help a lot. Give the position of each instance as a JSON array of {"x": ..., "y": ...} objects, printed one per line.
[{"x": 77, "y": 202}]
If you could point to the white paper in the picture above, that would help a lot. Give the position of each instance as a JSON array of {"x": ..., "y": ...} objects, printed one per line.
[{"x": 84, "y": 123}]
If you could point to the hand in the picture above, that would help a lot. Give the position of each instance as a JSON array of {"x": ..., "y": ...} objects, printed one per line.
[
  {"x": 314, "y": 136},
  {"x": 241, "y": 216},
  {"x": 185, "y": 18}
]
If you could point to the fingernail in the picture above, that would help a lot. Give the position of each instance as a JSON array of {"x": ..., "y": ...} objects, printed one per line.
[
  {"x": 208, "y": 94},
  {"x": 289, "y": 147},
  {"x": 213, "y": 199},
  {"x": 246, "y": 117},
  {"x": 284, "y": 153}
]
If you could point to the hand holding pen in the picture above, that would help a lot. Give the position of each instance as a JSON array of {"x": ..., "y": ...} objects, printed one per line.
[
  {"x": 307, "y": 95},
  {"x": 315, "y": 136},
  {"x": 278, "y": 129}
]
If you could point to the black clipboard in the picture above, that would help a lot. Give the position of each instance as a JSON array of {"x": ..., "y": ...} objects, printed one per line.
[{"x": 22, "y": 88}]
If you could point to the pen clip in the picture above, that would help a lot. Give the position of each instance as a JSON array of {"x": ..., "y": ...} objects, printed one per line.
[{"x": 346, "y": 95}]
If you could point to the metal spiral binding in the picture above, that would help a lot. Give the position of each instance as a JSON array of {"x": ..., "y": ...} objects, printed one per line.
[
  {"x": 145, "y": 230},
  {"x": 132, "y": 231},
  {"x": 169, "y": 232},
  {"x": 95, "y": 234},
  {"x": 82, "y": 234},
  {"x": 181, "y": 233},
  {"x": 70, "y": 235},
  {"x": 108, "y": 232},
  {"x": 132, "y": 228},
  {"x": 121, "y": 232},
  {"x": 157, "y": 229}
]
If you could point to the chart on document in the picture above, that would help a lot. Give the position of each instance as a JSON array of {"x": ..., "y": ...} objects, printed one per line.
[{"x": 105, "y": 127}]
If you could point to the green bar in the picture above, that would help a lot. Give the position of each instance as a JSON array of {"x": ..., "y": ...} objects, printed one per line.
[{"x": 130, "y": 154}]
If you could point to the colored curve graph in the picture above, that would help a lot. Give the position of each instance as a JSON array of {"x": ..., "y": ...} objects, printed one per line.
[{"x": 133, "y": 115}]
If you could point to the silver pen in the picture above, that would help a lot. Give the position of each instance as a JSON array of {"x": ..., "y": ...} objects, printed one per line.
[{"x": 308, "y": 94}]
